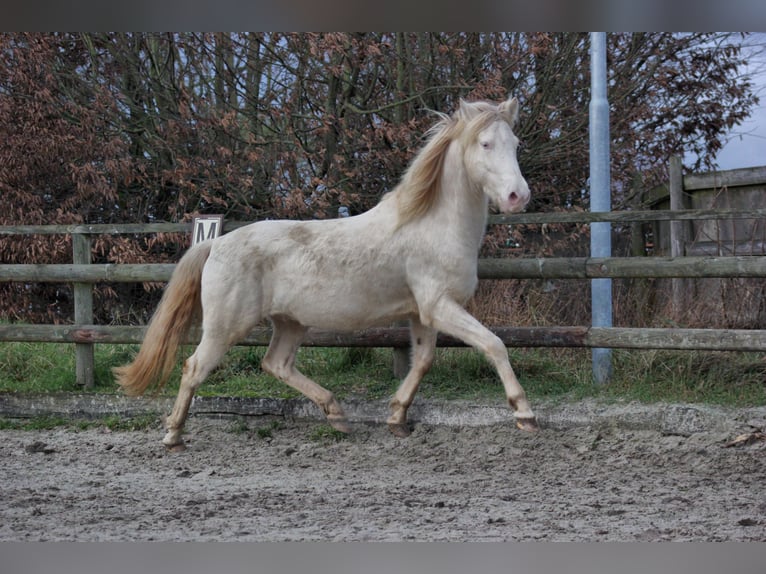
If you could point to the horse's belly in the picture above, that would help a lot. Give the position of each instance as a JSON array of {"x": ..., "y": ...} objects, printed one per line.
[{"x": 327, "y": 305}]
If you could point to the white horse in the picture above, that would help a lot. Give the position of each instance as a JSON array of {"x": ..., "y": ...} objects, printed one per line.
[{"x": 413, "y": 256}]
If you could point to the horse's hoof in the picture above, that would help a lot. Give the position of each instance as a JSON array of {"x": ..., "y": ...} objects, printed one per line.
[
  {"x": 173, "y": 442},
  {"x": 527, "y": 425},
  {"x": 400, "y": 430},
  {"x": 339, "y": 424}
]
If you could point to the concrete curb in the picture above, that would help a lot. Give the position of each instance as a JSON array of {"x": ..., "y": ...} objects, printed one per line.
[{"x": 675, "y": 419}]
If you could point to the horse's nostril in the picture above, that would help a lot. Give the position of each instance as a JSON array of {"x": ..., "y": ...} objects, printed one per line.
[{"x": 513, "y": 197}]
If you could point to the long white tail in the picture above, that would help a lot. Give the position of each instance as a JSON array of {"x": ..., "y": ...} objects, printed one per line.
[{"x": 179, "y": 310}]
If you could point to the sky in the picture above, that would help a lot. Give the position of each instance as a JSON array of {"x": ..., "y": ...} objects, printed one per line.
[{"x": 746, "y": 146}]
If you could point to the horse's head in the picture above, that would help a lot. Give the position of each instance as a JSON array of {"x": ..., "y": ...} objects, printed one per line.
[{"x": 490, "y": 153}]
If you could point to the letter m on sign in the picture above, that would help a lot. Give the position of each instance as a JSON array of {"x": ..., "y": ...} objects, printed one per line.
[{"x": 206, "y": 227}]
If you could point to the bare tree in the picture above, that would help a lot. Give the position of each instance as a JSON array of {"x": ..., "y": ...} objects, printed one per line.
[{"x": 147, "y": 126}]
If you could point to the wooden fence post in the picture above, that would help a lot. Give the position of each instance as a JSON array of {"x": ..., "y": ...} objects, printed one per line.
[
  {"x": 679, "y": 287},
  {"x": 83, "y": 312}
]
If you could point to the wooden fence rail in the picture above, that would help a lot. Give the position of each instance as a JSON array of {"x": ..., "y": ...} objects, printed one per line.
[
  {"x": 526, "y": 268},
  {"x": 398, "y": 337},
  {"x": 83, "y": 274},
  {"x": 518, "y": 218}
]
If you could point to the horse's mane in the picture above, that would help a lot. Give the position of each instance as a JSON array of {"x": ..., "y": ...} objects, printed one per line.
[{"x": 420, "y": 185}]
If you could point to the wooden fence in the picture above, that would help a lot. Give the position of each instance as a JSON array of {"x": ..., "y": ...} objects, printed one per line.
[{"x": 84, "y": 334}]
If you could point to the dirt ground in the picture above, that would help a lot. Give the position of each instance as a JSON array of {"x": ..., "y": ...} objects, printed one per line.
[{"x": 242, "y": 479}]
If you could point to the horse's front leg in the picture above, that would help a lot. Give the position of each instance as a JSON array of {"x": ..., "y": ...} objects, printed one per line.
[
  {"x": 449, "y": 317},
  {"x": 423, "y": 347}
]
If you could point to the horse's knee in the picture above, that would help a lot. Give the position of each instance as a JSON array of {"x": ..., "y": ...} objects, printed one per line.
[
  {"x": 266, "y": 367},
  {"x": 274, "y": 368},
  {"x": 495, "y": 350}
]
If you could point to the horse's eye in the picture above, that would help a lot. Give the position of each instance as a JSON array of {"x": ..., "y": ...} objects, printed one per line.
[{"x": 485, "y": 145}]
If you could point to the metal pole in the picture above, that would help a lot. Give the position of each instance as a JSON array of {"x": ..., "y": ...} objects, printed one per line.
[{"x": 600, "y": 200}]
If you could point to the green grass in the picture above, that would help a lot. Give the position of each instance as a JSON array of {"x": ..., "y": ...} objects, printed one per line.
[
  {"x": 36, "y": 367},
  {"x": 44, "y": 422},
  {"x": 112, "y": 422},
  {"x": 727, "y": 378},
  {"x": 325, "y": 434},
  {"x": 714, "y": 377},
  {"x": 50, "y": 367}
]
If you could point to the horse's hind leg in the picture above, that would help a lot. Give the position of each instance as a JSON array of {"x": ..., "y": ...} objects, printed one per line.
[
  {"x": 206, "y": 357},
  {"x": 423, "y": 348},
  {"x": 280, "y": 362}
]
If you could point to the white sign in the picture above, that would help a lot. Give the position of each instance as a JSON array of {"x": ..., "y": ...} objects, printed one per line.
[{"x": 206, "y": 227}]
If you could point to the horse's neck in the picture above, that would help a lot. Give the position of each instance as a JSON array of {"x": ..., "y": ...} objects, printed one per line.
[{"x": 461, "y": 208}]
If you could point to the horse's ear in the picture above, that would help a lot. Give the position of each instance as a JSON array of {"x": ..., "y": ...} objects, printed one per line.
[
  {"x": 462, "y": 109},
  {"x": 510, "y": 107}
]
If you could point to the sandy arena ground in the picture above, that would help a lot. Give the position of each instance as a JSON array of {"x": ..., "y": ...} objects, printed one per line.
[{"x": 451, "y": 483}]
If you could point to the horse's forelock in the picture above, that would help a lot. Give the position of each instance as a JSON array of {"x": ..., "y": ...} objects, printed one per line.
[
  {"x": 480, "y": 121},
  {"x": 467, "y": 121}
]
